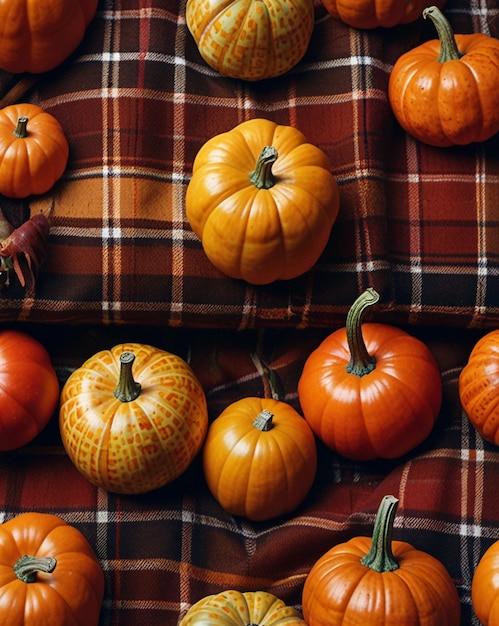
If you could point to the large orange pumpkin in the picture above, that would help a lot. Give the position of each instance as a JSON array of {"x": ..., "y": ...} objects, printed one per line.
[
  {"x": 34, "y": 150},
  {"x": 379, "y": 581},
  {"x": 132, "y": 432},
  {"x": 263, "y": 201},
  {"x": 370, "y": 390},
  {"x": 251, "y": 39},
  {"x": 259, "y": 458},
  {"x": 49, "y": 573},
  {"x": 445, "y": 92},
  {"x": 367, "y": 14},
  {"x": 479, "y": 387},
  {"x": 38, "y": 35}
]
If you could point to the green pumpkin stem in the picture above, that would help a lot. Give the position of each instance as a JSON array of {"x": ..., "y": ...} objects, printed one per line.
[
  {"x": 262, "y": 176},
  {"x": 27, "y": 567},
  {"x": 127, "y": 389},
  {"x": 21, "y": 130},
  {"x": 380, "y": 557},
  {"x": 448, "y": 46},
  {"x": 263, "y": 421},
  {"x": 361, "y": 362}
]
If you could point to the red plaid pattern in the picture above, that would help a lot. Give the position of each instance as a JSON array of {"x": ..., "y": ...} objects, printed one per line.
[{"x": 137, "y": 102}]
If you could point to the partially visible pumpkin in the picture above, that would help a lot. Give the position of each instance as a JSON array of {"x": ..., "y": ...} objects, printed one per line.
[
  {"x": 445, "y": 92},
  {"x": 379, "y": 581},
  {"x": 29, "y": 389},
  {"x": 370, "y": 390},
  {"x": 49, "y": 573},
  {"x": 367, "y": 14},
  {"x": 132, "y": 432},
  {"x": 259, "y": 458},
  {"x": 479, "y": 387},
  {"x": 263, "y": 201},
  {"x": 485, "y": 587},
  {"x": 34, "y": 150},
  {"x": 236, "y": 608},
  {"x": 251, "y": 39},
  {"x": 37, "y": 36}
]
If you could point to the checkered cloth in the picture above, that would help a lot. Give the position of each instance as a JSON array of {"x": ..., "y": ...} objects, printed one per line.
[
  {"x": 164, "y": 550},
  {"x": 137, "y": 102}
]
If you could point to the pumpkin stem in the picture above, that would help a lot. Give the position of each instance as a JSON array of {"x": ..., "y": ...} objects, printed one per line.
[
  {"x": 127, "y": 389},
  {"x": 262, "y": 176},
  {"x": 27, "y": 567},
  {"x": 21, "y": 131},
  {"x": 380, "y": 557},
  {"x": 263, "y": 421},
  {"x": 448, "y": 46},
  {"x": 361, "y": 362}
]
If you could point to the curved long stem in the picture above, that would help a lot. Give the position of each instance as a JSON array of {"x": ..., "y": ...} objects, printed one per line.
[
  {"x": 262, "y": 176},
  {"x": 127, "y": 389},
  {"x": 380, "y": 557},
  {"x": 448, "y": 46},
  {"x": 361, "y": 362}
]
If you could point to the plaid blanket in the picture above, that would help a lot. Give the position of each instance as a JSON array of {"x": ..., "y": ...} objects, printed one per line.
[
  {"x": 165, "y": 550},
  {"x": 137, "y": 101}
]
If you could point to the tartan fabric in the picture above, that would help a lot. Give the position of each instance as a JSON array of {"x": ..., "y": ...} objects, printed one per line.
[
  {"x": 137, "y": 102},
  {"x": 164, "y": 550}
]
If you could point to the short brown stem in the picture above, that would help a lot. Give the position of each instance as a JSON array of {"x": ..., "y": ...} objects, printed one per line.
[
  {"x": 21, "y": 129},
  {"x": 127, "y": 389}
]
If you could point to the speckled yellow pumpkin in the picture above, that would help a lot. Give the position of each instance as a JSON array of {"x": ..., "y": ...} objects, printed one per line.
[
  {"x": 251, "y": 39},
  {"x": 133, "y": 431},
  {"x": 234, "y": 608}
]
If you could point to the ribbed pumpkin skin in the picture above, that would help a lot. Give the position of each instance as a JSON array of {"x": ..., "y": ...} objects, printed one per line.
[
  {"x": 485, "y": 587},
  {"x": 341, "y": 591},
  {"x": 34, "y": 163},
  {"x": 367, "y": 14},
  {"x": 479, "y": 387},
  {"x": 448, "y": 102},
  {"x": 262, "y": 234},
  {"x": 384, "y": 413},
  {"x": 259, "y": 475},
  {"x": 139, "y": 445},
  {"x": 70, "y": 595},
  {"x": 251, "y": 39},
  {"x": 235, "y": 608},
  {"x": 38, "y": 35}
]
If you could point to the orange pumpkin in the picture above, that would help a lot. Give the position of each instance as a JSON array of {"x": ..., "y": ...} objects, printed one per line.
[
  {"x": 367, "y": 14},
  {"x": 49, "y": 573},
  {"x": 379, "y": 581},
  {"x": 445, "y": 92},
  {"x": 479, "y": 387},
  {"x": 132, "y": 435},
  {"x": 34, "y": 150},
  {"x": 38, "y": 36},
  {"x": 259, "y": 458},
  {"x": 370, "y": 390},
  {"x": 485, "y": 587},
  {"x": 251, "y": 39},
  {"x": 263, "y": 201},
  {"x": 234, "y": 608}
]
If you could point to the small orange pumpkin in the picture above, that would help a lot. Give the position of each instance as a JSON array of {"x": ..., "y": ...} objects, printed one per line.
[
  {"x": 132, "y": 435},
  {"x": 367, "y": 14},
  {"x": 34, "y": 150},
  {"x": 370, "y": 390},
  {"x": 49, "y": 573},
  {"x": 259, "y": 458},
  {"x": 38, "y": 36},
  {"x": 380, "y": 581},
  {"x": 236, "y": 608},
  {"x": 485, "y": 587},
  {"x": 479, "y": 387},
  {"x": 251, "y": 39},
  {"x": 263, "y": 201},
  {"x": 445, "y": 92}
]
